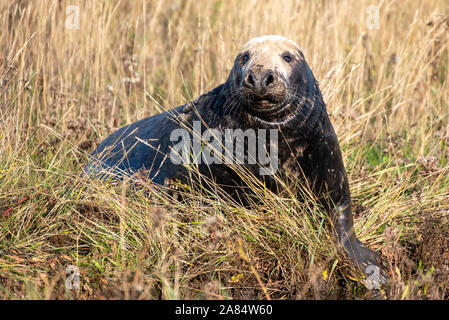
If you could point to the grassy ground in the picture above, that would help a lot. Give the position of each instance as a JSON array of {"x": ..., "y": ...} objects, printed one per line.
[{"x": 64, "y": 89}]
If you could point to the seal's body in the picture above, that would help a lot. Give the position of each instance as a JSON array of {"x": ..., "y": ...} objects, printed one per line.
[{"x": 270, "y": 87}]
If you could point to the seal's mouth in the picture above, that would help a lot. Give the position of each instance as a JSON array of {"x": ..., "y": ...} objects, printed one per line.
[
  {"x": 264, "y": 106},
  {"x": 263, "y": 101}
]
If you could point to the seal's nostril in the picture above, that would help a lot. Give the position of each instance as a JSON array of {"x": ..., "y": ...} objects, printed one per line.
[
  {"x": 269, "y": 80},
  {"x": 259, "y": 82},
  {"x": 250, "y": 80}
]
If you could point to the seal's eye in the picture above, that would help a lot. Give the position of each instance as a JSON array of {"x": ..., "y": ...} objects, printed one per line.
[
  {"x": 287, "y": 57},
  {"x": 245, "y": 58}
]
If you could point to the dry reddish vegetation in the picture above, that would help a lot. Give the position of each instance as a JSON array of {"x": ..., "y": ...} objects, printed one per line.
[{"x": 63, "y": 90}]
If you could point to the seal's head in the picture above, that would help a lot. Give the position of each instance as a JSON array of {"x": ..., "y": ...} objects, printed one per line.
[{"x": 270, "y": 77}]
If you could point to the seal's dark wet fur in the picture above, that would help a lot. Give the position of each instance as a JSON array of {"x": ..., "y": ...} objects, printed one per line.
[{"x": 308, "y": 148}]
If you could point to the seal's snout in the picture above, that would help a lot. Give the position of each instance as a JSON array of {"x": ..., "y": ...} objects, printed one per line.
[
  {"x": 260, "y": 82},
  {"x": 262, "y": 85}
]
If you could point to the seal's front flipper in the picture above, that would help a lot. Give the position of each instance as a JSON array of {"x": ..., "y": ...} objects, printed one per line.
[
  {"x": 366, "y": 259},
  {"x": 371, "y": 264},
  {"x": 369, "y": 261}
]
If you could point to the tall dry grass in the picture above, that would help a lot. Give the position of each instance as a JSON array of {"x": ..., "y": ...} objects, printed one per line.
[{"x": 63, "y": 90}]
